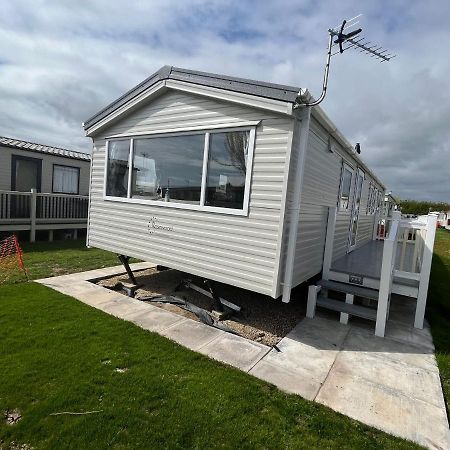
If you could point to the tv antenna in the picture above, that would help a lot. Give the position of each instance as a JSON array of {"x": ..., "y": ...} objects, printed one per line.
[{"x": 351, "y": 39}]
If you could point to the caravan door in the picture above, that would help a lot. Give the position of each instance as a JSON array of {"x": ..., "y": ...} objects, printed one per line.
[{"x": 354, "y": 217}]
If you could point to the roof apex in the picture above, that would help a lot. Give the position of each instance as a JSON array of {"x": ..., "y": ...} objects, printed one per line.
[{"x": 247, "y": 86}]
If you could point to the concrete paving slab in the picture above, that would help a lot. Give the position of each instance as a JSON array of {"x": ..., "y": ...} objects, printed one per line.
[
  {"x": 319, "y": 332},
  {"x": 305, "y": 359},
  {"x": 416, "y": 356},
  {"x": 87, "y": 293},
  {"x": 291, "y": 381},
  {"x": 122, "y": 308},
  {"x": 395, "y": 375},
  {"x": 408, "y": 334},
  {"x": 192, "y": 334},
  {"x": 310, "y": 349},
  {"x": 386, "y": 409},
  {"x": 154, "y": 319},
  {"x": 235, "y": 350}
]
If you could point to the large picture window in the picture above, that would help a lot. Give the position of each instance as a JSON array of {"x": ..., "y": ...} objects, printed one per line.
[
  {"x": 206, "y": 170},
  {"x": 168, "y": 168},
  {"x": 66, "y": 179}
]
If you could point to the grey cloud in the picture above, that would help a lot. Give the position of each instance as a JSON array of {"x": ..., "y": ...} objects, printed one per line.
[{"x": 60, "y": 62}]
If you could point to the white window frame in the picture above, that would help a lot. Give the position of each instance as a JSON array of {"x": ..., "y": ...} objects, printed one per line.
[
  {"x": 173, "y": 203},
  {"x": 66, "y": 167},
  {"x": 370, "y": 199},
  {"x": 346, "y": 166}
]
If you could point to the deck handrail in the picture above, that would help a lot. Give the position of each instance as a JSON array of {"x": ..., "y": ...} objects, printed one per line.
[
  {"x": 36, "y": 207},
  {"x": 15, "y": 193},
  {"x": 425, "y": 269},
  {"x": 43, "y": 194},
  {"x": 47, "y": 194}
]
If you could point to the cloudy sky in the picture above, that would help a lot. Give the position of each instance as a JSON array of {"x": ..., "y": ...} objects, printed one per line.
[{"x": 63, "y": 60}]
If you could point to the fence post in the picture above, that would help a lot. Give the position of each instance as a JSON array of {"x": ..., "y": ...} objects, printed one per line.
[
  {"x": 33, "y": 215},
  {"x": 425, "y": 271},
  {"x": 387, "y": 265},
  {"x": 329, "y": 240},
  {"x": 396, "y": 215}
]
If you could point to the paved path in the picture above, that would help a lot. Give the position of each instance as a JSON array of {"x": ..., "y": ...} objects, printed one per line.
[{"x": 392, "y": 384}]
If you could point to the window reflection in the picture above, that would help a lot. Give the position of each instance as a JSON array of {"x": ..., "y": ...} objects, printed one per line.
[
  {"x": 168, "y": 168},
  {"x": 227, "y": 167},
  {"x": 345, "y": 189},
  {"x": 117, "y": 170}
]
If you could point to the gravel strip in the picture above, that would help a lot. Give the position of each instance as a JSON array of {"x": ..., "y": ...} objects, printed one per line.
[{"x": 262, "y": 319}]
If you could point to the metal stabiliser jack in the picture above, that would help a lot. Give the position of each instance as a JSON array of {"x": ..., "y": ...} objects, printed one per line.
[{"x": 345, "y": 41}]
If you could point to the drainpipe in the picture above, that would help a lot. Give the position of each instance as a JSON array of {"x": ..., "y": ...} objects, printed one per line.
[{"x": 294, "y": 203}]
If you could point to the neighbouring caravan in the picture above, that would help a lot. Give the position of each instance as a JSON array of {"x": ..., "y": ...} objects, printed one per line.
[{"x": 226, "y": 178}]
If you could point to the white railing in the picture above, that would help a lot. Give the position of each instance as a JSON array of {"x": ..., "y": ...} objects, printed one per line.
[
  {"x": 387, "y": 274},
  {"x": 411, "y": 240},
  {"x": 41, "y": 208},
  {"x": 419, "y": 234},
  {"x": 407, "y": 254}
]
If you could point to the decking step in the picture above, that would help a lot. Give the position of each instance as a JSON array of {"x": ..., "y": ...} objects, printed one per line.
[
  {"x": 353, "y": 310},
  {"x": 359, "y": 291},
  {"x": 406, "y": 282}
]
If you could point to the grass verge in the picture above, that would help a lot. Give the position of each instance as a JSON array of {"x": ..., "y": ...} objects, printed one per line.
[
  {"x": 47, "y": 259},
  {"x": 438, "y": 307}
]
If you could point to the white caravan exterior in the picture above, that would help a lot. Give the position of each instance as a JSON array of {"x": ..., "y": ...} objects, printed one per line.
[{"x": 256, "y": 219}]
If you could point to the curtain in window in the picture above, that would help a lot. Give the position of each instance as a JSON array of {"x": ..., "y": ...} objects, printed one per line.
[{"x": 65, "y": 180}]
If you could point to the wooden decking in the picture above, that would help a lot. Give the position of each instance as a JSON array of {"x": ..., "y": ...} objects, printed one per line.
[
  {"x": 364, "y": 261},
  {"x": 33, "y": 211}
]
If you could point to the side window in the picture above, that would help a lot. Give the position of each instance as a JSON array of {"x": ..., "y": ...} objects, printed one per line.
[
  {"x": 117, "y": 168},
  {"x": 227, "y": 169},
  {"x": 346, "y": 187}
]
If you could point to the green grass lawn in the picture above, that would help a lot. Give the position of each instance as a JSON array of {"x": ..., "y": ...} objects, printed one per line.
[
  {"x": 58, "y": 354},
  {"x": 46, "y": 259},
  {"x": 438, "y": 307}
]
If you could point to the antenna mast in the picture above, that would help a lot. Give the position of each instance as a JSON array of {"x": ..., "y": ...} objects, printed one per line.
[{"x": 351, "y": 40}]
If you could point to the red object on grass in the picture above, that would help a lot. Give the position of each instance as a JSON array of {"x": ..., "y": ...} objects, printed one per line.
[{"x": 9, "y": 248}]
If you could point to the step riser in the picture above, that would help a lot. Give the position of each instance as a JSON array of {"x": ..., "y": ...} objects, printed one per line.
[
  {"x": 407, "y": 291},
  {"x": 346, "y": 288},
  {"x": 352, "y": 310},
  {"x": 342, "y": 277}
]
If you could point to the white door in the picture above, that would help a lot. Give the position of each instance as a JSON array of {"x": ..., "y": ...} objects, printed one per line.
[{"x": 354, "y": 217}]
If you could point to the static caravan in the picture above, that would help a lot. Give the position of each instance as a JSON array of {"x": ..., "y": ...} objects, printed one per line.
[
  {"x": 42, "y": 188},
  {"x": 443, "y": 219},
  {"x": 225, "y": 178}
]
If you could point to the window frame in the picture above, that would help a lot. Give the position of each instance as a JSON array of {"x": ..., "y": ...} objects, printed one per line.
[
  {"x": 345, "y": 166},
  {"x": 69, "y": 167},
  {"x": 370, "y": 199},
  {"x": 207, "y": 132}
]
